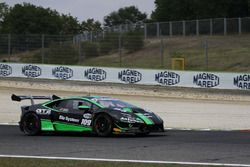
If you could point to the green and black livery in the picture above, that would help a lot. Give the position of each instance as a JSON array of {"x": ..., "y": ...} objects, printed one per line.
[{"x": 101, "y": 115}]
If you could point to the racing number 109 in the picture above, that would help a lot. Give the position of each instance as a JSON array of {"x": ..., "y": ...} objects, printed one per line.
[{"x": 86, "y": 122}]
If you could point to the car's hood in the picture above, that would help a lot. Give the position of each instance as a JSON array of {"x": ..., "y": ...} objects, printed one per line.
[{"x": 146, "y": 116}]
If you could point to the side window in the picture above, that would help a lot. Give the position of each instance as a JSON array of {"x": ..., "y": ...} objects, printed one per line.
[
  {"x": 77, "y": 103},
  {"x": 71, "y": 105},
  {"x": 62, "y": 105},
  {"x": 95, "y": 107}
]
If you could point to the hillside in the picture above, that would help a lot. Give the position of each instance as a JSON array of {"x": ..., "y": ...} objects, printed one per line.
[{"x": 225, "y": 53}]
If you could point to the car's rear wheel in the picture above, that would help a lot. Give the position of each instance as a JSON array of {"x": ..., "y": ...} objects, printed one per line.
[
  {"x": 103, "y": 125},
  {"x": 30, "y": 124}
]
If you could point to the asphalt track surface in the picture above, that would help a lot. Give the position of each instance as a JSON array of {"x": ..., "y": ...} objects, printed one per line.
[
  {"x": 176, "y": 113},
  {"x": 181, "y": 146}
]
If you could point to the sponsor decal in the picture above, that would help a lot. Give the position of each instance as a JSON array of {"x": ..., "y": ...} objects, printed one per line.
[
  {"x": 206, "y": 80},
  {"x": 68, "y": 119},
  {"x": 43, "y": 111},
  {"x": 87, "y": 116},
  {"x": 95, "y": 74},
  {"x": 5, "y": 70},
  {"x": 62, "y": 72},
  {"x": 130, "y": 76},
  {"x": 242, "y": 81},
  {"x": 126, "y": 115},
  {"x": 148, "y": 115},
  {"x": 130, "y": 120},
  {"x": 31, "y": 71},
  {"x": 167, "y": 78}
]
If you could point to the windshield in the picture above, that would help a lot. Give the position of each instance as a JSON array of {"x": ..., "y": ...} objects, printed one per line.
[{"x": 113, "y": 103}]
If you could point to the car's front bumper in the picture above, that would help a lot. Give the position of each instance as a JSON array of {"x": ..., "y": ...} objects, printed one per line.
[{"x": 138, "y": 128}]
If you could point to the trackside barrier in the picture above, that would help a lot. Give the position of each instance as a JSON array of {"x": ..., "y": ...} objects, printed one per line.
[{"x": 194, "y": 79}]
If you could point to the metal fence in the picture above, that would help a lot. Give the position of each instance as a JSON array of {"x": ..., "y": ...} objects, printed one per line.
[
  {"x": 217, "y": 26},
  {"x": 131, "y": 50},
  {"x": 214, "y": 44}
]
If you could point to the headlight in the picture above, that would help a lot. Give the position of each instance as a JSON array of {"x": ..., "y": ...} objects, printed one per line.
[{"x": 158, "y": 117}]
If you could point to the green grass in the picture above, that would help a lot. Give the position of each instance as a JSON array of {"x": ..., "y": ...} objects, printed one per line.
[
  {"x": 23, "y": 162},
  {"x": 225, "y": 53}
]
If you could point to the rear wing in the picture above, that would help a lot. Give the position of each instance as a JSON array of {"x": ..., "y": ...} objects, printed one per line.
[{"x": 32, "y": 98}]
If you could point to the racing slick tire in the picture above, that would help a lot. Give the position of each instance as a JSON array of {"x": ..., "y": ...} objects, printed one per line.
[
  {"x": 31, "y": 124},
  {"x": 103, "y": 125}
]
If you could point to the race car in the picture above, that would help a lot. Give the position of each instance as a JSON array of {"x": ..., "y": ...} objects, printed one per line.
[{"x": 100, "y": 115}]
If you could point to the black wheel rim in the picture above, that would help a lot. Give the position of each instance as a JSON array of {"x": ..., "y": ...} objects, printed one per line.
[
  {"x": 30, "y": 124},
  {"x": 102, "y": 125}
]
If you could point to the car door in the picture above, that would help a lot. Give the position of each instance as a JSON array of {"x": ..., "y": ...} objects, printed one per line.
[
  {"x": 64, "y": 112},
  {"x": 63, "y": 117},
  {"x": 86, "y": 113},
  {"x": 67, "y": 116}
]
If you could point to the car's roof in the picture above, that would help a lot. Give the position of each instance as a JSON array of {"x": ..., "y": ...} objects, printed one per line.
[{"x": 93, "y": 97}]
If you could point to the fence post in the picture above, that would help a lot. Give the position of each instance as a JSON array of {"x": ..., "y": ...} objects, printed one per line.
[
  {"x": 170, "y": 29},
  {"x": 79, "y": 52},
  {"x": 42, "y": 48},
  {"x": 239, "y": 23},
  {"x": 9, "y": 46},
  {"x": 91, "y": 36},
  {"x": 184, "y": 28},
  {"x": 211, "y": 26},
  {"x": 120, "y": 50},
  {"x": 206, "y": 53},
  {"x": 197, "y": 28},
  {"x": 120, "y": 28},
  {"x": 225, "y": 26},
  {"x": 162, "y": 53},
  {"x": 103, "y": 34},
  {"x": 158, "y": 29},
  {"x": 145, "y": 31}
]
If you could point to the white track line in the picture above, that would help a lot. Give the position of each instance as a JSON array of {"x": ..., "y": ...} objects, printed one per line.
[
  {"x": 124, "y": 160},
  {"x": 14, "y": 123}
]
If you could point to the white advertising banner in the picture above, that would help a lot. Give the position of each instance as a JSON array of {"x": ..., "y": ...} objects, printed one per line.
[{"x": 195, "y": 79}]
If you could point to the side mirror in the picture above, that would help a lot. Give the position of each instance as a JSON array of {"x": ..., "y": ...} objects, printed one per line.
[{"x": 83, "y": 107}]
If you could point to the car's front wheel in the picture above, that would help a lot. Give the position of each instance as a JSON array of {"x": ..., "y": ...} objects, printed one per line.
[
  {"x": 30, "y": 124},
  {"x": 103, "y": 125}
]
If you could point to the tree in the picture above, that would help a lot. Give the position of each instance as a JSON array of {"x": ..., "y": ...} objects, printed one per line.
[
  {"x": 248, "y": 7},
  {"x": 239, "y": 8},
  {"x": 23, "y": 19},
  {"x": 124, "y": 16},
  {"x": 133, "y": 41},
  {"x": 29, "y": 19},
  {"x": 170, "y": 10},
  {"x": 70, "y": 25},
  {"x": 63, "y": 53},
  {"x": 91, "y": 25},
  {"x": 3, "y": 12}
]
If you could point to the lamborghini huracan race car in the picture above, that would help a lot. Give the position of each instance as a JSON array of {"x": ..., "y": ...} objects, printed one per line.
[{"x": 100, "y": 115}]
